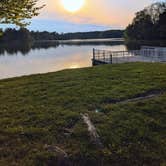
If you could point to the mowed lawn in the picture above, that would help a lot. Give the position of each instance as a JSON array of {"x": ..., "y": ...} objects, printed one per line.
[{"x": 45, "y": 110}]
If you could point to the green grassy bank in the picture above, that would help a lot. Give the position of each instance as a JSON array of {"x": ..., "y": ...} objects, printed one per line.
[{"x": 44, "y": 110}]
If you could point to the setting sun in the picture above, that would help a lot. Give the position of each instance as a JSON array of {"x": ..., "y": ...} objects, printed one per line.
[{"x": 73, "y": 5}]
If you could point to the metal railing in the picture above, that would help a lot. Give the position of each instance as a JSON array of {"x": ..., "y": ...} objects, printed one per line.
[
  {"x": 108, "y": 56},
  {"x": 142, "y": 55}
]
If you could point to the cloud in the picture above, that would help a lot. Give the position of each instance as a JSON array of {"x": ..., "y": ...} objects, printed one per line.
[
  {"x": 95, "y": 15},
  {"x": 105, "y": 12}
]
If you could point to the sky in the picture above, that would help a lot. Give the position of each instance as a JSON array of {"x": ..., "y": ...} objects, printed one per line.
[{"x": 93, "y": 15}]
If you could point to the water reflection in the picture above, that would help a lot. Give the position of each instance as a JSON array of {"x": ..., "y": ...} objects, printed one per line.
[
  {"x": 136, "y": 45},
  {"x": 46, "y": 57},
  {"x": 25, "y": 47},
  {"x": 14, "y": 48}
]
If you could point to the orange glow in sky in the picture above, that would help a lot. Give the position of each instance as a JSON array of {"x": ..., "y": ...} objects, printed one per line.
[{"x": 87, "y": 15}]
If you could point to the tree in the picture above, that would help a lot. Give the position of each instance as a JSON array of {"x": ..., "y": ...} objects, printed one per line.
[
  {"x": 13, "y": 35},
  {"x": 162, "y": 26},
  {"x": 17, "y": 11},
  {"x": 141, "y": 28},
  {"x": 148, "y": 24},
  {"x": 1, "y": 32}
]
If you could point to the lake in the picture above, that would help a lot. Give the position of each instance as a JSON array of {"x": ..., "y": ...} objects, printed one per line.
[{"x": 26, "y": 59}]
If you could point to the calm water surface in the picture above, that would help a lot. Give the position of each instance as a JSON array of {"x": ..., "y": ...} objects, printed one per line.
[{"x": 45, "y": 58}]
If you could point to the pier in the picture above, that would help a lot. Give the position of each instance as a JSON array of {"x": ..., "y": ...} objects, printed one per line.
[{"x": 145, "y": 54}]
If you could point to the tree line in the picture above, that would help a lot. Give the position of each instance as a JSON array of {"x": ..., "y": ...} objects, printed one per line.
[
  {"x": 149, "y": 24},
  {"x": 93, "y": 35},
  {"x": 24, "y": 34}
]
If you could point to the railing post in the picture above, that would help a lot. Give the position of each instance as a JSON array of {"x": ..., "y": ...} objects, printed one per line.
[
  {"x": 104, "y": 55},
  {"x": 93, "y": 54},
  {"x": 111, "y": 58}
]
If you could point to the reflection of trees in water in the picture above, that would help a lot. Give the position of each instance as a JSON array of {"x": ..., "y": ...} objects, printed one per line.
[
  {"x": 136, "y": 45},
  {"x": 45, "y": 45},
  {"x": 133, "y": 45},
  {"x": 14, "y": 48},
  {"x": 26, "y": 47}
]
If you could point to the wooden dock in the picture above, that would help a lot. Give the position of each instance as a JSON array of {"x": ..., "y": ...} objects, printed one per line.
[{"x": 142, "y": 55}]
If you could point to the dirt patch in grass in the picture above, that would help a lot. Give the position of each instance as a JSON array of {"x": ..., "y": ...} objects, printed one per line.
[{"x": 142, "y": 96}]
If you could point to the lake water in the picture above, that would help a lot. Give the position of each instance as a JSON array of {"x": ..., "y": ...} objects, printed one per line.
[{"x": 49, "y": 57}]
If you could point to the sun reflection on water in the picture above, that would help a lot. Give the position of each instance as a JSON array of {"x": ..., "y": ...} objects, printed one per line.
[{"x": 74, "y": 66}]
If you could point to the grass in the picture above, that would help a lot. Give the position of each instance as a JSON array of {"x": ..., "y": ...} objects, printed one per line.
[{"x": 45, "y": 109}]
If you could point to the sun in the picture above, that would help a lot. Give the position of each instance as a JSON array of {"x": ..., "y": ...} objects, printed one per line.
[{"x": 73, "y": 5}]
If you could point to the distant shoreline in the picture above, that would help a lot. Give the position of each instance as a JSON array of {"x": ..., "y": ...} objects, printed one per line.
[
  {"x": 91, "y": 40},
  {"x": 84, "y": 40}
]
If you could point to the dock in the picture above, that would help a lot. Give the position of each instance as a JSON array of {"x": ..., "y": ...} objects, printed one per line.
[{"x": 145, "y": 54}]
